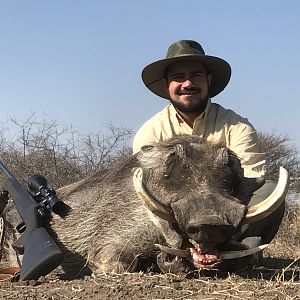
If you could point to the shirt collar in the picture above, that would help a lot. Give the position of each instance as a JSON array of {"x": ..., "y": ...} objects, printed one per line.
[{"x": 199, "y": 118}]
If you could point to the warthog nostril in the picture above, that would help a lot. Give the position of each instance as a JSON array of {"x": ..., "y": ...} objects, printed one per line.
[
  {"x": 209, "y": 233},
  {"x": 197, "y": 231},
  {"x": 192, "y": 229}
]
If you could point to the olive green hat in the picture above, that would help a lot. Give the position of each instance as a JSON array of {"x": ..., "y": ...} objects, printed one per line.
[{"x": 154, "y": 73}]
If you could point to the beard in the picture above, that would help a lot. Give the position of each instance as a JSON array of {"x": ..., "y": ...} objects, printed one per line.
[{"x": 192, "y": 107}]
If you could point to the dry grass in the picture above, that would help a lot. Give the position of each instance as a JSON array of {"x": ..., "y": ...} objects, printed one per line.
[{"x": 287, "y": 241}]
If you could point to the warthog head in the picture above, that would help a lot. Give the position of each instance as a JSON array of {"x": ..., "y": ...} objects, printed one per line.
[{"x": 197, "y": 195}]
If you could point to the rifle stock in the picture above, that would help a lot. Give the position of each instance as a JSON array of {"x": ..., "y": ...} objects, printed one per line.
[{"x": 40, "y": 253}]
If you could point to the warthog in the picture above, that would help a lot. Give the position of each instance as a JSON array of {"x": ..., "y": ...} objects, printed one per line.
[{"x": 177, "y": 205}]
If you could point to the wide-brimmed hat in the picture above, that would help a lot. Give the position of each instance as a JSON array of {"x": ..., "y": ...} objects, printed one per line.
[{"x": 154, "y": 73}]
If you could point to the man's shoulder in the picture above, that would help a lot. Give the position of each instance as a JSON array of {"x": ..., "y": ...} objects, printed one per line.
[
  {"x": 157, "y": 120},
  {"x": 150, "y": 131},
  {"x": 227, "y": 114}
]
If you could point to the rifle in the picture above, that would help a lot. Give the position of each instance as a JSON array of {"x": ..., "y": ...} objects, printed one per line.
[{"x": 40, "y": 253}]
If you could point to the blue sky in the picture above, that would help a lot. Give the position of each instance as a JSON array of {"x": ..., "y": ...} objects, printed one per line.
[{"x": 79, "y": 62}]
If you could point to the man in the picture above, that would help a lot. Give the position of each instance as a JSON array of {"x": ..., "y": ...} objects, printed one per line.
[{"x": 189, "y": 79}]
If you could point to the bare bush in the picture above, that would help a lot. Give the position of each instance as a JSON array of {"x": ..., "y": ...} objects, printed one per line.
[
  {"x": 100, "y": 151},
  {"x": 279, "y": 152},
  {"x": 61, "y": 154}
]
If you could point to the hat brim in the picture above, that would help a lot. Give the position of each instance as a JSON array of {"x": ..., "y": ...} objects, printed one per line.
[{"x": 153, "y": 74}]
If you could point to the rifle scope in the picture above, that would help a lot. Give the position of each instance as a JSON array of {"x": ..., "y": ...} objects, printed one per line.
[{"x": 46, "y": 196}]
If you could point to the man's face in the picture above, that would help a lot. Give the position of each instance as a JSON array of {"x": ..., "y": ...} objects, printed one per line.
[{"x": 187, "y": 84}]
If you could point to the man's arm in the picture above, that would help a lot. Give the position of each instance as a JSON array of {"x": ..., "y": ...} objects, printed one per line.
[{"x": 245, "y": 143}]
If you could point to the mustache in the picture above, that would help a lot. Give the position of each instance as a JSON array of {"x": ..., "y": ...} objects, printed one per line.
[{"x": 189, "y": 90}]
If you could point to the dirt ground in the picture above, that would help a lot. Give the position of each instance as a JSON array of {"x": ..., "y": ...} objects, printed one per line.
[{"x": 277, "y": 278}]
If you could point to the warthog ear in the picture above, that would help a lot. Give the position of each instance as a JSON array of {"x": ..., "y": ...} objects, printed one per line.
[
  {"x": 226, "y": 157},
  {"x": 246, "y": 186},
  {"x": 228, "y": 163}
]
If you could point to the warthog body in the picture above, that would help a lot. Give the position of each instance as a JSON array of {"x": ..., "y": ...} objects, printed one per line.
[{"x": 109, "y": 228}]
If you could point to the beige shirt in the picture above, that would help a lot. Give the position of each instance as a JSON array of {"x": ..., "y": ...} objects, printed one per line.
[{"x": 215, "y": 124}]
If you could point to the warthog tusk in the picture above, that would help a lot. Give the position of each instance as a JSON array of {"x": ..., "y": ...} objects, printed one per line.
[
  {"x": 174, "y": 251},
  {"x": 149, "y": 201},
  {"x": 221, "y": 254},
  {"x": 240, "y": 253},
  {"x": 263, "y": 209}
]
